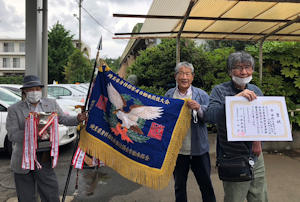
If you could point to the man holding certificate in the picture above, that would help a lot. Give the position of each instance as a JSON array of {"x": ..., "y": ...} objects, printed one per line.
[{"x": 248, "y": 180}]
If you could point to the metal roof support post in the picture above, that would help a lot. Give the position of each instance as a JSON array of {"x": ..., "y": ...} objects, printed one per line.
[
  {"x": 186, "y": 16},
  {"x": 261, "y": 42},
  {"x": 260, "y": 61},
  {"x": 79, "y": 18},
  {"x": 177, "y": 49},
  {"x": 45, "y": 48}
]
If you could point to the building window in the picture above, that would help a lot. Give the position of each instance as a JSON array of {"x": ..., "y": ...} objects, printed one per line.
[
  {"x": 8, "y": 47},
  {"x": 5, "y": 62},
  {"x": 16, "y": 62},
  {"x": 22, "y": 47}
]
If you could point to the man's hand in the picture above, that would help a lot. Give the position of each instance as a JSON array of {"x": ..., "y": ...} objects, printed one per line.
[
  {"x": 249, "y": 94},
  {"x": 192, "y": 104},
  {"x": 256, "y": 148},
  {"x": 82, "y": 116}
]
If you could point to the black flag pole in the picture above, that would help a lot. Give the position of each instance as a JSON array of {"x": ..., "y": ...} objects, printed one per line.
[
  {"x": 99, "y": 47},
  {"x": 84, "y": 108}
]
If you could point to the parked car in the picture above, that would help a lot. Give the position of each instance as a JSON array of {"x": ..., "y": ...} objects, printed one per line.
[
  {"x": 84, "y": 85},
  {"x": 7, "y": 98},
  {"x": 67, "y": 105},
  {"x": 81, "y": 86},
  {"x": 15, "y": 88},
  {"x": 75, "y": 92},
  {"x": 67, "y": 91}
]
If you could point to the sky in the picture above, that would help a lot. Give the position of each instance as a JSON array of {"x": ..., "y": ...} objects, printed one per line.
[{"x": 12, "y": 21}]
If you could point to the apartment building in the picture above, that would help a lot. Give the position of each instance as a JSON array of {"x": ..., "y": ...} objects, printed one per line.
[{"x": 12, "y": 57}]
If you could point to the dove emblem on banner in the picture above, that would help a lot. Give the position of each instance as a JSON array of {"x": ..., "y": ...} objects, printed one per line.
[{"x": 129, "y": 119}]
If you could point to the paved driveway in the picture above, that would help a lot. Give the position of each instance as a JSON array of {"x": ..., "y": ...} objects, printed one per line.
[{"x": 282, "y": 174}]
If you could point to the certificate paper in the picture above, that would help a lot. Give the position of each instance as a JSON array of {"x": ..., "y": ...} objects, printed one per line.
[{"x": 263, "y": 119}]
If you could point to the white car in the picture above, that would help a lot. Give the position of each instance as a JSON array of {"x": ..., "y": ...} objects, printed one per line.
[
  {"x": 67, "y": 105},
  {"x": 67, "y": 91},
  {"x": 66, "y": 134},
  {"x": 81, "y": 87},
  {"x": 74, "y": 92}
]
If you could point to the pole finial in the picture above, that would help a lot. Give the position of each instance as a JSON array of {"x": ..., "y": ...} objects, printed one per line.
[{"x": 99, "y": 46}]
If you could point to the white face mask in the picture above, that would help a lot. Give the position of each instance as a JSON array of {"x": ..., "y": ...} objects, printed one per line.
[
  {"x": 34, "y": 96},
  {"x": 241, "y": 81}
]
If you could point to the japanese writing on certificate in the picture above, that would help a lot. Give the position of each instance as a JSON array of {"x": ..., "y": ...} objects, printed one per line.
[{"x": 264, "y": 119}]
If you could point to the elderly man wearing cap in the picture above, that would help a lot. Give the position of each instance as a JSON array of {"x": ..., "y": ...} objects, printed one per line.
[{"x": 44, "y": 179}]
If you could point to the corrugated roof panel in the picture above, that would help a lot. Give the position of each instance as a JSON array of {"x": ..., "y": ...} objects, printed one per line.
[
  {"x": 211, "y": 8},
  {"x": 255, "y": 27},
  {"x": 237, "y": 37},
  {"x": 196, "y": 25},
  {"x": 224, "y": 26},
  {"x": 271, "y": 29},
  {"x": 281, "y": 11},
  {"x": 190, "y": 35},
  {"x": 211, "y": 36},
  {"x": 159, "y": 25},
  {"x": 291, "y": 28},
  {"x": 297, "y": 31},
  {"x": 247, "y": 9},
  {"x": 253, "y": 38},
  {"x": 222, "y": 8},
  {"x": 166, "y": 7},
  {"x": 208, "y": 8},
  {"x": 290, "y": 38},
  {"x": 273, "y": 38}
]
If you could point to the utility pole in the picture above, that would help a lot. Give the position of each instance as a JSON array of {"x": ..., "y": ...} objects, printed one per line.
[{"x": 79, "y": 45}]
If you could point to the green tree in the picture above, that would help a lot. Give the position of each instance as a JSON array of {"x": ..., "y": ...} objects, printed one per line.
[
  {"x": 281, "y": 72},
  {"x": 154, "y": 67},
  {"x": 216, "y": 70},
  {"x": 60, "y": 47},
  {"x": 114, "y": 64},
  {"x": 237, "y": 45},
  {"x": 14, "y": 79},
  {"x": 78, "y": 68}
]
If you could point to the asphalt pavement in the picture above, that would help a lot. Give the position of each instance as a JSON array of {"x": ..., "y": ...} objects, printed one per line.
[{"x": 106, "y": 185}]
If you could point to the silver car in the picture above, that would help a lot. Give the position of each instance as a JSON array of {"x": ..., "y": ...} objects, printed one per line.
[{"x": 7, "y": 98}]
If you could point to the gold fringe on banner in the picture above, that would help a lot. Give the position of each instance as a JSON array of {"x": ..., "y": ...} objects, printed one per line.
[{"x": 132, "y": 170}]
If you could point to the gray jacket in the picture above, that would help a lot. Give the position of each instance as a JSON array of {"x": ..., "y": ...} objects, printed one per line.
[
  {"x": 199, "y": 134},
  {"x": 15, "y": 125},
  {"x": 215, "y": 113}
]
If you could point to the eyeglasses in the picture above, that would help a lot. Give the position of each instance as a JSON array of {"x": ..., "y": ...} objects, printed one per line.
[
  {"x": 188, "y": 74},
  {"x": 248, "y": 68}
]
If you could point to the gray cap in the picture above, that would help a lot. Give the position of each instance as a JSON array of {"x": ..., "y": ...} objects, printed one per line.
[{"x": 31, "y": 81}]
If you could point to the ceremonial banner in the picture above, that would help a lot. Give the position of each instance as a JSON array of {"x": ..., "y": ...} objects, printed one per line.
[
  {"x": 136, "y": 133},
  {"x": 263, "y": 119}
]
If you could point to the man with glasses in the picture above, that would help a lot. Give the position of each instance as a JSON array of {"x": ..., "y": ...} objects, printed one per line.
[
  {"x": 195, "y": 146},
  {"x": 240, "y": 68}
]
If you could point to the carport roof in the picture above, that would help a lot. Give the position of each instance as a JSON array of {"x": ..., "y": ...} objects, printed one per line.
[{"x": 221, "y": 20}]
